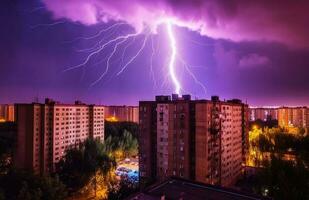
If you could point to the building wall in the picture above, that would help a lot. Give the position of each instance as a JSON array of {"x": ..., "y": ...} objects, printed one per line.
[
  {"x": 231, "y": 144},
  {"x": 199, "y": 140},
  {"x": 179, "y": 140},
  {"x": 202, "y": 166},
  {"x": 245, "y": 132},
  {"x": 26, "y": 150},
  {"x": 283, "y": 117},
  {"x": 293, "y": 116},
  {"x": 219, "y": 154},
  {"x": 122, "y": 113},
  {"x": 307, "y": 117},
  {"x": 45, "y": 131},
  {"x": 263, "y": 113},
  {"x": 7, "y": 112},
  {"x": 162, "y": 140},
  {"x": 147, "y": 141}
]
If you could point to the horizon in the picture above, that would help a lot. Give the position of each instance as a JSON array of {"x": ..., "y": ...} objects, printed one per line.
[{"x": 42, "y": 101}]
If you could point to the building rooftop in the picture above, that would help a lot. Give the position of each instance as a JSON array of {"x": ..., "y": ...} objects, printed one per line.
[
  {"x": 175, "y": 189},
  {"x": 187, "y": 98},
  {"x": 49, "y": 101}
]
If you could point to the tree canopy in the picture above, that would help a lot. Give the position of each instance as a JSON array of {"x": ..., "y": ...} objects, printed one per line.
[{"x": 80, "y": 164}]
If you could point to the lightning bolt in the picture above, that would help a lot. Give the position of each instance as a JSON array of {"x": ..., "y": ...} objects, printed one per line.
[
  {"x": 108, "y": 61},
  {"x": 106, "y": 37},
  {"x": 117, "y": 41},
  {"x": 101, "y": 48},
  {"x": 135, "y": 56},
  {"x": 198, "y": 82},
  {"x": 125, "y": 49},
  {"x": 36, "y": 9},
  {"x": 110, "y": 37},
  {"x": 171, "y": 65},
  {"x": 48, "y": 25},
  {"x": 98, "y": 33}
]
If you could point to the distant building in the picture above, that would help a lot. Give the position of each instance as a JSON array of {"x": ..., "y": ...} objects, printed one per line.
[
  {"x": 202, "y": 140},
  {"x": 263, "y": 114},
  {"x": 7, "y": 113},
  {"x": 293, "y": 116},
  {"x": 45, "y": 131},
  {"x": 121, "y": 113},
  {"x": 286, "y": 116}
]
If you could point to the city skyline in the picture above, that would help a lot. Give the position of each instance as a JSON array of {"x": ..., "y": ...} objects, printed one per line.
[{"x": 267, "y": 68}]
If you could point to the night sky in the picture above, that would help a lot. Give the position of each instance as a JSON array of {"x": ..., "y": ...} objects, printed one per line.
[{"x": 252, "y": 50}]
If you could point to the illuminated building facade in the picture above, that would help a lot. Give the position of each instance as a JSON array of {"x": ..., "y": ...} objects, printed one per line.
[
  {"x": 202, "y": 140},
  {"x": 7, "y": 113},
  {"x": 263, "y": 114},
  {"x": 293, "y": 116},
  {"x": 45, "y": 131},
  {"x": 121, "y": 113},
  {"x": 286, "y": 116}
]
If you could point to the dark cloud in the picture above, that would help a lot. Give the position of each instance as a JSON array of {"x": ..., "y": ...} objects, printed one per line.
[
  {"x": 253, "y": 60},
  {"x": 33, "y": 60},
  {"x": 285, "y": 21}
]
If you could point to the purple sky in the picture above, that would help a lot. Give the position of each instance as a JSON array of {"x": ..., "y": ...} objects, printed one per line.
[{"x": 257, "y": 52}]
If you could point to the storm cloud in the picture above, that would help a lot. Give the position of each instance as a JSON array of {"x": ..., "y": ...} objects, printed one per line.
[{"x": 283, "y": 21}]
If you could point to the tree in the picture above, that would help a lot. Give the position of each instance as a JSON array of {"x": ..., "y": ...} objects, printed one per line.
[
  {"x": 278, "y": 178},
  {"x": 284, "y": 141},
  {"x": 6, "y": 147},
  {"x": 27, "y": 193},
  {"x": 130, "y": 144},
  {"x": 26, "y": 185},
  {"x": 123, "y": 189},
  {"x": 96, "y": 161},
  {"x": 116, "y": 129},
  {"x": 284, "y": 180},
  {"x": 263, "y": 144},
  {"x": 81, "y": 166},
  {"x": 120, "y": 141},
  {"x": 70, "y": 169},
  {"x": 52, "y": 188}
]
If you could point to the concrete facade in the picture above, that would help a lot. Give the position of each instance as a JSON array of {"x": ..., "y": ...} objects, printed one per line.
[
  {"x": 202, "y": 140},
  {"x": 122, "y": 113},
  {"x": 45, "y": 131},
  {"x": 293, "y": 116},
  {"x": 7, "y": 113}
]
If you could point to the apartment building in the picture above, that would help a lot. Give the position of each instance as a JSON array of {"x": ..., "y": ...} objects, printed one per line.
[
  {"x": 45, "y": 131},
  {"x": 263, "y": 113},
  {"x": 121, "y": 113},
  {"x": 202, "y": 140},
  {"x": 293, "y": 116},
  {"x": 7, "y": 113},
  {"x": 286, "y": 116}
]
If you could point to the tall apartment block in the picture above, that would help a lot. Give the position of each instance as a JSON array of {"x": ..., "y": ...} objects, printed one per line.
[
  {"x": 121, "y": 113},
  {"x": 201, "y": 140},
  {"x": 45, "y": 131}
]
